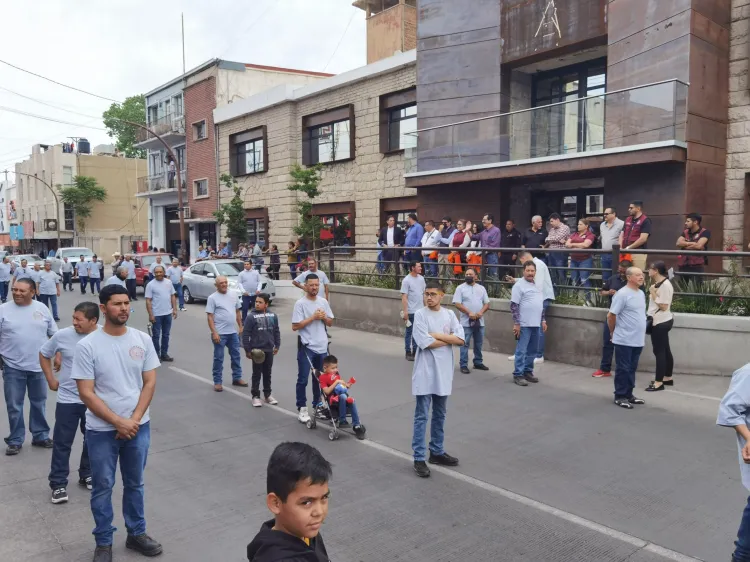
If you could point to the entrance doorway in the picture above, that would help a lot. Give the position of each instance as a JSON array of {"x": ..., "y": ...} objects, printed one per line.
[{"x": 571, "y": 205}]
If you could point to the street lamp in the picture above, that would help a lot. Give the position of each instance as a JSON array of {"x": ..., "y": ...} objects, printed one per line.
[{"x": 57, "y": 203}]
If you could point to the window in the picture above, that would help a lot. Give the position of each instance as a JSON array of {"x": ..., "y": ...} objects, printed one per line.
[
  {"x": 401, "y": 217},
  {"x": 69, "y": 217},
  {"x": 248, "y": 152},
  {"x": 153, "y": 114},
  {"x": 398, "y": 121},
  {"x": 328, "y": 137},
  {"x": 67, "y": 175},
  {"x": 199, "y": 130},
  {"x": 155, "y": 163},
  {"x": 256, "y": 231},
  {"x": 336, "y": 230},
  {"x": 200, "y": 188},
  {"x": 177, "y": 107},
  {"x": 180, "y": 153},
  {"x": 197, "y": 269},
  {"x": 207, "y": 234}
]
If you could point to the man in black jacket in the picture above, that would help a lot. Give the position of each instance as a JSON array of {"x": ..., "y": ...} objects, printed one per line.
[
  {"x": 509, "y": 238},
  {"x": 391, "y": 236},
  {"x": 261, "y": 339},
  {"x": 296, "y": 471}
]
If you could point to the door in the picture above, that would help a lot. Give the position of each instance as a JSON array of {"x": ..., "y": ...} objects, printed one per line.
[
  {"x": 208, "y": 280},
  {"x": 194, "y": 279},
  {"x": 571, "y": 205}
]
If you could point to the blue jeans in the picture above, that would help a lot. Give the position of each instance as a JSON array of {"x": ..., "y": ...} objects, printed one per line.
[
  {"x": 232, "y": 343},
  {"x": 161, "y": 327},
  {"x": 293, "y": 270},
  {"x": 4, "y": 290},
  {"x": 343, "y": 406},
  {"x": 608, "y": 350},
  {"x": 526, "y": 347},
  {"x": 742, "y": 544},
  {"x": 430, "y": 269},
  {"x": 626, "y": 359},
  {"x": 303, "y": 375},
  {"x": 68, "y": 419},
  {"x": 50, "y": 301},
  {"x": 437, "y": 425},
  {"x": 557, "y": 259},
  {"x": 95, "y": 281},
  {"x": 67, "y": 280},
  {"x": 578, "y": 274},
  {"x": 15, "y": 385},
  {"x": 131, "y": 286},
  {"x": 84, "y": 281},
  {"x": 491, "y": 259},
  {"x": 477, "y": 332},
  {"x": 248, "y": 303},
  {"x": 542, "y": 338},
  {"x": 180, "y": 297},
  {"x": 606, "y": 266},
  {"x": 104, "y": 451},
  {"x": 409, "y": 343}
]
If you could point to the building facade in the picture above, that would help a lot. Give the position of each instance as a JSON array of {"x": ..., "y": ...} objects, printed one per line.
[
  {"x": 181, "y": 113},
  {"x": 356, "y": 124},
  {"x": 113, "y": 224}
]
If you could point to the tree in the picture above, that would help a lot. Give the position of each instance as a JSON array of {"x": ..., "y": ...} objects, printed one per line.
[
  {"x": 81, "y": 197},
  {"x": 232, "y": 214},
  {"x": 132, "y": 109},
  {"x": 307, "y": 180}
]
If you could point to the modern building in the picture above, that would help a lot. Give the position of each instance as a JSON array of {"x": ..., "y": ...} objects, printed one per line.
[
  {"x": 181, "y": 112},
  {"x": 113, "y": 225},
  {"x": 356, "y": 124},
  {"x": 540, "y": 106}
]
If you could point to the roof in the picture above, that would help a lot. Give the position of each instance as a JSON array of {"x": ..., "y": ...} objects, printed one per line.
[
  {"x": 288, "y": 92},
  {"x": 289, "y": 70}
]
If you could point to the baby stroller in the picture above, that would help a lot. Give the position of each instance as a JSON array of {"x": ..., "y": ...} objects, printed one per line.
[{"x": 328, "y": 410}]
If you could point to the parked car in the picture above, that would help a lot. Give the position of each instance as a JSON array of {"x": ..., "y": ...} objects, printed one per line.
[
  {"x": 30, "y": 258},
  {"x": 198, "y": 280},
  {"x": 73, "y": 255},
  {"x": 143, "y": 263}
]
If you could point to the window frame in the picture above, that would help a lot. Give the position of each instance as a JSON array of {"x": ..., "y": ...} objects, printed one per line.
[
  {"x": 195, "y": 126},
  {"x": 244, "y": 138},
  {"x": 389, "y": 103},
  {"x": 335, "y": 210},
  {"x": 195, "y": 189},
  {"x": 327, "y": 118}
]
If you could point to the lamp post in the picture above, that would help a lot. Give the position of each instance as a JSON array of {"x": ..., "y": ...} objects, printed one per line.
[{"x": 57, "y": 202}]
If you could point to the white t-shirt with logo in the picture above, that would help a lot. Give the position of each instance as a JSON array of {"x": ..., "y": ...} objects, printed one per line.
[{"x": 116, "y": 365}]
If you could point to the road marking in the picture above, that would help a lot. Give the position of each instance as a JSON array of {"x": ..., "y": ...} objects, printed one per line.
[
  {"x": 701, "y": 396},
  {"x": 534, "y": 504}
]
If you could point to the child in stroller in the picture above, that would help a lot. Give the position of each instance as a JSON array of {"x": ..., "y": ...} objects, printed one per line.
[{"x": 336, "y": 393}]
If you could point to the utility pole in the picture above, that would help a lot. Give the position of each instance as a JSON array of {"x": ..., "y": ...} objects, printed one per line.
[{"x": 57, "y": 202}]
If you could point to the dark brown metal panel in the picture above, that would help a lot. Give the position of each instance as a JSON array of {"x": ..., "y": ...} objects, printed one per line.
[
  {"x": 664, "y": 62},
  {"x": 661, "y": 187},
  {"x": 531, "y": 27},
  {"x": 471, "y": 106},
  {"x": 709, "y": 79},
  {"x": 398, "y": 99},
  {"x": 328, "y": 116},
  {"x": 658, "y": 34},
  {"x": 704, "y": 188},
  {"x": 706, "y": 131},
  {"x": 478, "y": 198},
  {"x": 719, "y": 11},
  {"x": 707, "y": 154},
  {"x": 446, "y": 17},
  {"x": 710, "y": 31},
  {"x": 626, "y": 18}
]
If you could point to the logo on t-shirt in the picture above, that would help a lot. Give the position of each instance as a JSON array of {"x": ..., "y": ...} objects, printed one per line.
[
  {"x": 38, "y": 315},
  {"x": 137, "y": 353},
  {"x": 446, "y": 328}
]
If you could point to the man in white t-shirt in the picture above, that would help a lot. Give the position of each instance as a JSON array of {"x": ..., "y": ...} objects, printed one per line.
[
  {"x": 312, "y": 265},
  {"x": 161, "y": 305},
  {"x": 130, "y": 280},
  {"x": 311, "y": 315},
  {"x": 82, "y": 270},
  {"x": 70, "y": 411},
  {"x": 119, "y": 277},
  {"x": 115, "y": 370},
  {"x": 225, "y": 322},
  {"x": 249, "y": 282},
  {"x": 412, "y": 299}
]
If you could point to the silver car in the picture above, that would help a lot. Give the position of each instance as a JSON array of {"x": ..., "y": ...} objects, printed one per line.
[
  {"x": 30, "y": 258},
  {"x": 198, "y": 279},
  {"x": 73, "y": 255}
]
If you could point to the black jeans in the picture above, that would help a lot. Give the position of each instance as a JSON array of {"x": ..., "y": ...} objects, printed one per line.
[
  {"x": 130, "y": 284},
  {"x": 660, "y": 343},
  {"x": 265, "y": 370},
  {"x": 273, "y": 271},
  {"x": 68, "y": 418},
  {"x": 697, "y": 279},
  {"x": 67, "y": 280}
]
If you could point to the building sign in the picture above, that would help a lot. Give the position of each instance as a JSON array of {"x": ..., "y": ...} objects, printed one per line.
[
  {"x": 27, "y": 232},
  {"x": 16, "y": 232}
]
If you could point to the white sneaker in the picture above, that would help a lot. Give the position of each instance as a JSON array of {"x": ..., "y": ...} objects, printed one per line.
[
  {"x": 538, "y": 360},
  {"x": 257, "y": 403},
  {"x": 271, "y": 400},
  {"x": 511, "y": 357},
  {"x": 183, "y": 309},
  {"x": 303, "y": 417}
]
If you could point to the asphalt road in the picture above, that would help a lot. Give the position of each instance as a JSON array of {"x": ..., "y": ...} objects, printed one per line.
[{"x": 552, "y": 472}]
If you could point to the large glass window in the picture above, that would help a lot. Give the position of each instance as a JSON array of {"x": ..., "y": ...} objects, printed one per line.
[
  {"x": 401, "y": 217},
  {"x": 402, "y": 124},
  {"x": 70, "y": 216},
  {"x": 67, "y": 175},
  {"x": 331, "y": 142},
  {"x": 256, "y": 231},
  {"x": 249, "y": 157},
  {"x": 336, "y": 230}
]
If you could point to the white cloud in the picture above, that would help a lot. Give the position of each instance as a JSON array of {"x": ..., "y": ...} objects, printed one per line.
[{"x": 118, "y": 49}]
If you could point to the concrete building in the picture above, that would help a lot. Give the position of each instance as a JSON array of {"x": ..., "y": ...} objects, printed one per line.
[
  {"x": 355, "y": 123},
  {"x": 181, "y": 111},
  {"x": 113, "y": 225},
  {"x": 391, "y": 27}
]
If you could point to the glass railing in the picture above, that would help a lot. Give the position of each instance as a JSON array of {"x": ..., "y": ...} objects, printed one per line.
[
  {"x": 171, "y": 123},
  {"x": 160, "y": 182},
  {"x": 622, "y": 118}
]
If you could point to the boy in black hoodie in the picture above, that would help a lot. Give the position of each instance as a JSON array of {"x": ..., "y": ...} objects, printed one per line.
[
  {"x": 261, "y": 333},
  {"x": 297, "y": 484}
]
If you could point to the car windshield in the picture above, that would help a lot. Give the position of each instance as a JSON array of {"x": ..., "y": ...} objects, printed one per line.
[
  {"x": 31, "y": 258},
  {"x": 229, "y": 269},
  {"x": 77, "y": 252},
  {"x": 146, "y": 261}
]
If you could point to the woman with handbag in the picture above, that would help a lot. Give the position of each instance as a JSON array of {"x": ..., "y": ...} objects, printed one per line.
[{"x": 659, "y": 323}]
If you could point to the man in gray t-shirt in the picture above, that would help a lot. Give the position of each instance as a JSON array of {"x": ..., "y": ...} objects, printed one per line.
[
  {"x": 48, "y": 288},
  {"x": 115, "y": 369},
  {"x": 66, "y": 270},
  {"x": 25, "y": 325},
  {"x": 311, "y": 315},
  {"x": 527, "y": 308},
  {"x": 161, "y": 305},
  {"x": 5, "y": 274},
  {"x": 627, "y": 324},
  {"x": 412, "y": 299},
  {"x": 70, "y": 411},
  {"x": 472, "y": 302},
  {"x": 225, "y": 322},
  {"x": 312, "y": 265}
]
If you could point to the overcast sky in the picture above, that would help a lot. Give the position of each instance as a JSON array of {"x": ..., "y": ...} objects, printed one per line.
[{"x": 118, "y": 49}]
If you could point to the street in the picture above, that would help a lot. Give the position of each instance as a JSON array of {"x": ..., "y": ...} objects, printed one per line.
[{"x": 552, "y": 472}]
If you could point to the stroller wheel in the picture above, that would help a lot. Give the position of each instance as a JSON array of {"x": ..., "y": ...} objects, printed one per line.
[
  {"x": 332, "y": 436},
  {"x": 310, "y": 424}
]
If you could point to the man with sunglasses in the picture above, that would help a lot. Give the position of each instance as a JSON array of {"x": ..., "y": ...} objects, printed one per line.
[
  {"x": 436, "y": 331},
  {"x": 609, "y": 234},
  {"x": 635, "y": 233}
]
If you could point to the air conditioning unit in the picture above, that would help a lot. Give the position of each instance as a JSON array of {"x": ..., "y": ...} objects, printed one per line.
[
  {"x": 186, "y": 212},
  {"x": 50, "y": 225}
]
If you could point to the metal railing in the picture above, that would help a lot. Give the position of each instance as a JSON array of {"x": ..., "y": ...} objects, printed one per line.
[
  {"x": 391, "y": 268},
  {"x": 160, "y": 182},
  {"x": 170, "y": 123},
  {"x": 617, "y": 119}
]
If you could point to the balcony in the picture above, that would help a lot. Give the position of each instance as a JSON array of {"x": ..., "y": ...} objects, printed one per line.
[
  {"x": 623, "y": 127},
  {"x": 161, "y": 184},
  {"x": 169, "y": 127}
]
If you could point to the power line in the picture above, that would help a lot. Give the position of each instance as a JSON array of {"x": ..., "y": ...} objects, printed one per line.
[
  {"x": 249, "y": 27},
  {"x": 27, "y": 114},
  {"x": 45, "y": 103},
  {"x": 336, "y": 50},
  {"x": 56, "y": 82}
]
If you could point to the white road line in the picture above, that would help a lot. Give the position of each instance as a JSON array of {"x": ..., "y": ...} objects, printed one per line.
[
  {"x": 701, "y": 396},
  {"x": 559, "y": 513}
]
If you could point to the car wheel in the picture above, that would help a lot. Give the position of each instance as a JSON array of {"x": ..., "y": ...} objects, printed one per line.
[{"x": 187, "y": 296}]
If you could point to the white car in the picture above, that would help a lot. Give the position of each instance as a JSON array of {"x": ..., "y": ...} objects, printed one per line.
[
  {"x": 198, "y": 279},
  {"x": 73, "y": 255}
]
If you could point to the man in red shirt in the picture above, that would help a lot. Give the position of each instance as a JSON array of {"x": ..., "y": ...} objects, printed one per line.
[{"x": 635, "y": 233}]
